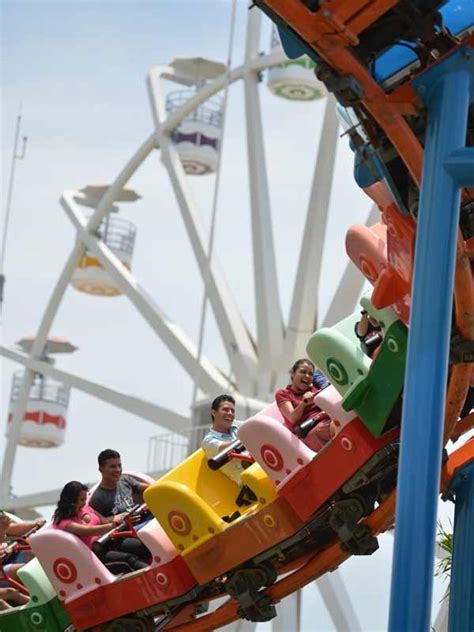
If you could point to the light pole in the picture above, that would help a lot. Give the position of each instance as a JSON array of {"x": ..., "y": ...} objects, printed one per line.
[{"x": 15, "y": 156}]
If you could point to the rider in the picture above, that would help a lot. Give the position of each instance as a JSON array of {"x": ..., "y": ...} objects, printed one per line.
[
  {"x": 75, "y": 516},
  {"x": 296, "y": 404},
  {"x": 222, "y": 433},
  {"x": 320, "y": 381},
  {"x": 369, "y": 332},
  {"x": 114, "y": 494},
  {"x": 10, "y": 530}
]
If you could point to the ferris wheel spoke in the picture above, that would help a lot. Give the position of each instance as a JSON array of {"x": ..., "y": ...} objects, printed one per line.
[
  {"x": 100, "y": 212},
  {"x": 304, "y": 306},
  {"x": 440, "y": 623},
  {"x": 267, "y": 300},
  {"x": 102, "y": 209},
  {"x": 240, "y": 626},
  {"x": 235, "y": 335},
  {"x": 207, "y": 376},
  {"x": 142, "y": 408},
  {"x": 338, "y": 602},
  {"x": 351, "y": 285},
  {"x": 40, "y": 499},
  {"x": 237, "y": 341}
]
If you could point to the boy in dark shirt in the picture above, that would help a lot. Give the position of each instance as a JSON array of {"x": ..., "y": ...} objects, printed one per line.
[{"x": 114, "y": 494}]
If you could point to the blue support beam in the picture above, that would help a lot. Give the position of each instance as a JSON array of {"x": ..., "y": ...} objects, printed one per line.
[
  {"x": 446, "y": 90},
  {"x": 461, "y": 590},
  {"x": 460, "y": 164}
]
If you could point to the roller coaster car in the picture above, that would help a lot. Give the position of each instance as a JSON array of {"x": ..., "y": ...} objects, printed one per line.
[
  {"x": 370, "y": 387},
  {"x": 194, "y": 504},
  {"x": 375, "y": 159},
  {"x": 384, "y": 253},
  {"x": 377, "y": 31},
  {"x": 369, "y": 169},
  {"x": 292, "y": 484},
  {"x": 92, "y": 595},
  {"x": 338, "y": 480},
  {"x": 43, "y": 612},
  {"x": 403, "y": 58}
]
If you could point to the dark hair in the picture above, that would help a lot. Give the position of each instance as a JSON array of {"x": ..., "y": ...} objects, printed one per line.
[
  {"x": 301, "y": 361},
  {"x": 67, "y": 500},
  {"x": 222, "y": 398},
  {"x": 105, "y": 455}
]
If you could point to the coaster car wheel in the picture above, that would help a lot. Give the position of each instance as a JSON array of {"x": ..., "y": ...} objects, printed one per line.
[
  {"x": 130, "y": 623},
  {"x": 244, "y": 585}
]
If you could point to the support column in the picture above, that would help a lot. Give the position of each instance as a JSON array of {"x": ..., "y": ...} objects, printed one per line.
[
  {"x": 289, "y": 614},
  {"x": 338, "y": 602},
  {"x": 445, "y": 90},
  {"x": 461, "y": 591},
  {"x": 267, "y": 299}
]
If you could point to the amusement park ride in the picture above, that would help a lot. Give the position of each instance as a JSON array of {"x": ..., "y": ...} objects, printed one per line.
[{"x": 402, "y": 73}]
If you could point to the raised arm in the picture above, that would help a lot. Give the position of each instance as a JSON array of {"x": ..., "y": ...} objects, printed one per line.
[{"x": 295, "y": 414}]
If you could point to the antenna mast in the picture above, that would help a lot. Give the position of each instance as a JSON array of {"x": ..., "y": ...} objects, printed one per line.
[{"x": 15, "y": 156}]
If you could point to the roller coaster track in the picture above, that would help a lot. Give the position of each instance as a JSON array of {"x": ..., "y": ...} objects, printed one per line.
[{"x": 330, "y": 33}]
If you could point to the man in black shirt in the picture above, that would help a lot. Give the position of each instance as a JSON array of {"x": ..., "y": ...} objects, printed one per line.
[{"x": 114, "y": 494}]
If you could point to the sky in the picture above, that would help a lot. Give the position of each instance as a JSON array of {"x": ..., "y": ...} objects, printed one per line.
[{"x": 78, "y": 70}]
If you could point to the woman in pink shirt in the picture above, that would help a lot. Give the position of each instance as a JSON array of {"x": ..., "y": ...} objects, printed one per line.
[
  {"x": 296, "y": 404},
  {"x": 75, "y": 516}
]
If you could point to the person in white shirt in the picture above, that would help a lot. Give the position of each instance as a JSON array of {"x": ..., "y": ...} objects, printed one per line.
[{"x": 222, "y": 433}]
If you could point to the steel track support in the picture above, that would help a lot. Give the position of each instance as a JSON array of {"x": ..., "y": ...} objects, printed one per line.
[
  {"x": 447, "y": 90},
  {"x": 461, "y": 591}
]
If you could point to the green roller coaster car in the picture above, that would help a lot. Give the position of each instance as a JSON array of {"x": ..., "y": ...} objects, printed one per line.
[
  {"x": 43, "y": 612},
  {"x": 372, "y": 388}
]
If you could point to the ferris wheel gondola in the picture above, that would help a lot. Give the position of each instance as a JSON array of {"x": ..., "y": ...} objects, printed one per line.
[
  {"x": 294, "y": 79},
  {"x": 117, "y": 233},
  {"x": 44, "y": 419}
]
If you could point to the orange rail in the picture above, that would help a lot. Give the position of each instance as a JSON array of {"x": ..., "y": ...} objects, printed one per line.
[{"x": 330, "y": 36}]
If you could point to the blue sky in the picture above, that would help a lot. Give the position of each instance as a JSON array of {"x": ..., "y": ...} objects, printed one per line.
[{"x": 78, "y": 68}]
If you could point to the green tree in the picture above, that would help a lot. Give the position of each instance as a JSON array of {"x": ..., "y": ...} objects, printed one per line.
[{"x": 443, "y": 566}]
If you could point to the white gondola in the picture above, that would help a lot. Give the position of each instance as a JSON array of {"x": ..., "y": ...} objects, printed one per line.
[
  {"x": 198, "y": 137},
  {"x": 89, "y": 276},
  {"x": 44, "y": 421},
  {"x": 294, "y": 79}
]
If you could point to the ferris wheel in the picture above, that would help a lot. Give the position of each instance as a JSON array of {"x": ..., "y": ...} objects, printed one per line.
[{"x": 189, "y": 133}]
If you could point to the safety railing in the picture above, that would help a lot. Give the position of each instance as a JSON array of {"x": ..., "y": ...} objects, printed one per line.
[
  {"x": 118, "y": 233},
  {"x": 209, "y": 112},
  {"x": 43, "y": 389},
  {"x": 165, "y": 451}
]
